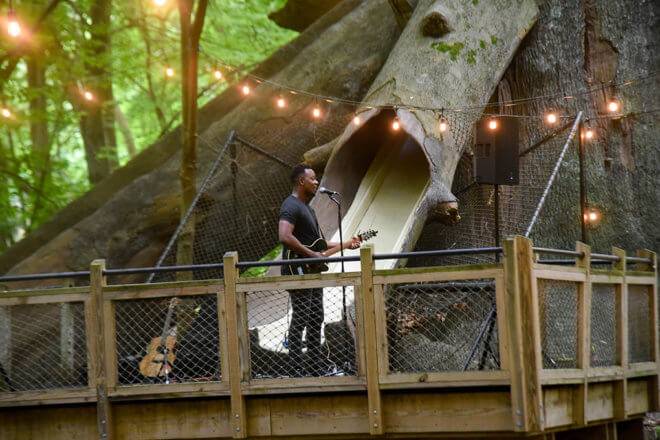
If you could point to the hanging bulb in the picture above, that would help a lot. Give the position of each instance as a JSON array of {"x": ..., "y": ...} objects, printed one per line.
[
  {"x": 88, "y": 95},
  {"x": 159, "y": 2},
  {"x": 6, "y": 113},
  {"x": 217, "y": 74},
  {"x": 356, "y": 120},
  {"x": 169, "y": 72},
  {"x": 589, "y": 134},
  {"x": 593, "y": 216},
  {"x": 246, "y": 89},
  {"x": 396, "y": 125},
  {"x": 613, "y": 106},
  {"x": 281, "y": 103},
  {"x": 492, "y": 124},
  {"x": 316, "y": 112},
  {"x": 551, "y": 118},
  {"x": 13, "y": 26},
  {"x": 442, "y": 124}
]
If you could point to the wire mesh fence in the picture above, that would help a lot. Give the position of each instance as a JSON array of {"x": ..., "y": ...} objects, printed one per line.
[
  {"x": 302, "y": 333},
  {"x": 639, "y": 323},
  {"x": 448, "y": 326},
  {"x": 42, "y": 347},
  {"x": 603, "y": 325},
  {"x": 558, "y": 312},
  {"x": 168, "y": 340}
]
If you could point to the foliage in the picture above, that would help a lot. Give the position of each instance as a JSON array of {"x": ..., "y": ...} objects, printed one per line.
[
  {"x": 261, "y": 270},
  {"x": 144, "y": 41}
]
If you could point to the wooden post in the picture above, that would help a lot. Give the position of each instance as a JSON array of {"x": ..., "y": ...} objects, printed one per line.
[
  {"x": 381, "y": 331},
  {"x": 521, "y": 303},
  {"x": 370, "y": 344},
  {"x": 621, "y": 386},
  {"x": 584, "y": 334},
  {"x": 67, "y": 336},
  {"x": 238, "y": 406},
  {"x": 96, "y": 349},
  {"x": 653, "y": 310}
]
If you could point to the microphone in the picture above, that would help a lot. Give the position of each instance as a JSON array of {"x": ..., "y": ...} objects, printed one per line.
[{"x": 327, "y": 191}]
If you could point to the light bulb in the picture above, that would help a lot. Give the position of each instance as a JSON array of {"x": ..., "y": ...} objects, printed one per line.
[
  {"x": 589, "y": 134},
  {"x": 593, "y": 216},
  {"x": 356, "y": 120},
  {"x": 281, "y": 103},
  {"x": 613, "y": 106},
  {"x": 443, "y": 126},
  {"x": 551, "y": 118},
  {"x": 169, "y": 72},
  {"x": 246, "y": 90},
  {"x": 396, "y": 125},
  {"x": 88, "y": 95},
  {"x": 217, "y": 74},
  {"x": 316, "y": 112},
  {"x": 13, "y": 26},
  {"x": 6, "y": 113},
  {"x": 492, "y": 124}
]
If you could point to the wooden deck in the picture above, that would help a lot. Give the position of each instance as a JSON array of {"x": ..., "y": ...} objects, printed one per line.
[{"x": 522, "y": 399}]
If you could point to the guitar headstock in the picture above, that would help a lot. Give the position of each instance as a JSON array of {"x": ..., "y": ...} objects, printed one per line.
[{"x": 366, "y": 235}]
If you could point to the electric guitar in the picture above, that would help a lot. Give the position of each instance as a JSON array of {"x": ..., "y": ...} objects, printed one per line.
[
  {"x": 160, "y": 352},
  {"x": 319, "y": 245}
]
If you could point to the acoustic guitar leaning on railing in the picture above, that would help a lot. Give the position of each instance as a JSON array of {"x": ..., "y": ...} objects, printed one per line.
[{"x": 319, "y": 245}]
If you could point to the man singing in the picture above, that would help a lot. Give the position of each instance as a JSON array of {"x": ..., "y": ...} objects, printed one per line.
[{"x": 298, "y": 227}]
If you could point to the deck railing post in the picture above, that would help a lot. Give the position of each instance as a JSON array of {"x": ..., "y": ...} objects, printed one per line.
[
  {"x": 96, "y": 359},
  {"x": 521, "y": 303},
  {"x": 370, "y": 344},
  {"x": 653, "y": 310},
  {"x": 621, "y": 386},
  {"x": 238, "y": 406},
  {"x": 584, "y": 334}
]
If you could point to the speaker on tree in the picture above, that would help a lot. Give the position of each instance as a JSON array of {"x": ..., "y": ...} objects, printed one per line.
[{"x": 496, "y": 151}]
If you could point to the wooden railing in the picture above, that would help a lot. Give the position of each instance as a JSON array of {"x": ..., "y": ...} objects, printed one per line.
[{"x": 535, "y": 398}]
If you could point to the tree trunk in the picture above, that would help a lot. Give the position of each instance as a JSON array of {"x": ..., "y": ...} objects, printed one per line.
[
  {"x": 97, "y": 125},
  {"x": 36, "y": 74}
]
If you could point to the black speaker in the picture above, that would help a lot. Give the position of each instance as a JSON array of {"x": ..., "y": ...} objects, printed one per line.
[{"x": 496, "y": 151}]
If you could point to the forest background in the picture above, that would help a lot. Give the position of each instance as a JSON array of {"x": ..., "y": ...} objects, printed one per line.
[{"x": 57, "y": 144}]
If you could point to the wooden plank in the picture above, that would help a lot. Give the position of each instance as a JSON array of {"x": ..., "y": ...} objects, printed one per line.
[
  {"x": 382, "y": 346},
  {"x": 175, "y": 285},
  {"x": 562, "y": 376},
  {"x": 583, "y": 336},
  {"x": 653, "y": 310},
  {"x": 606, "y": 279},
  {"x": 412, "y": 275},
  {"x": 43, "y": 299},
  {"x": 172, "y": 390},
  {"x": 305, "y": 385},
  {"x": 600, "y": 403},
  {"x": 47, "y": 397},
  {"x": 473, "y": 411},
  {"x": 445, "y": 380},
  {"x": 559, "y": 269},
  {"x": 638, "y": 396},
  {"x": 359, "y": 333},
  {"x": 71, "y": 422},
  {"x": 110, "y": 344},
  {"x": 557, "y": 275},
  {"x": 599, "y": 374},
  {"x": 84, "y": 290},
  {"x": 346, "y": 279},
  {"x": 503, "y": 337},
  {"x": 558, "y": 406},
  {"x": 370, "y": 341},
  {"x": 525, "y": 363},
  {"x": 103, "y": 406},
  {"x": 164, "y": 292},
  {"x": 650, "y": 280},
  {"x": 621, "y": 292},
  {"x": 238, "y": 413}
]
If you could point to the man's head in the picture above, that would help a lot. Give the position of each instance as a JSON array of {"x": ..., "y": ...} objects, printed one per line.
[{"x": 303, "y": 179}]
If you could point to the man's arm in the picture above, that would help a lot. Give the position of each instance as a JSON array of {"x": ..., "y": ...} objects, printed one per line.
[
  {"x": 286, "y": 237},
  {"x": 333, "y": 246}
]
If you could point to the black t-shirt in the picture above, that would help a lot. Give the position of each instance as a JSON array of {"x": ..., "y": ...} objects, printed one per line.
[{"x": 303, "y": 219}]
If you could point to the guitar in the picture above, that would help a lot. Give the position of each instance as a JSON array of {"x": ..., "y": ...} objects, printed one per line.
[
  {"x": 160, "y": 352},
  {"x": 319, "y": 245}
]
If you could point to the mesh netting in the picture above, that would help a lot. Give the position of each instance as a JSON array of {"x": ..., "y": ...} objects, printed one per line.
[
  {"x": 558, "y": 309},
  {"x": 447, "y": 326},
  {"x": 603, "y": 325},
  {"x": 42, "y": 347},
  {"x": 301, "y": 333},
  {"x": 191, "y": 340},
  {"x": 639, "y": 323}
]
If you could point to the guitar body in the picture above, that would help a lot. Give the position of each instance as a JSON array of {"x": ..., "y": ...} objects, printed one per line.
[
  {"x": 319, "y": 245},
  {"x": 151, "y": 364}
]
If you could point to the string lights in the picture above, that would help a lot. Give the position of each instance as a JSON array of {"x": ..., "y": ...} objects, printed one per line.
[
  {"x": 169, "y": 72},
  {"x": 13, "y": 26},
  {"x": 356, "y": 120},
  {"x": 281, "y": 103},
  {"x": 613, "y": 106},
  {"x": 217, "y": 74},
  {"x": 551, "y": 118},
  {"x": 6, "y": 113},
  {"x": 246, "y": 89},
  {"x": 492, "y": 124}
]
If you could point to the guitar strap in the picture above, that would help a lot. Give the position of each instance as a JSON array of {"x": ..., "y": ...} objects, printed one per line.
[{"x": 318, "y": 227}]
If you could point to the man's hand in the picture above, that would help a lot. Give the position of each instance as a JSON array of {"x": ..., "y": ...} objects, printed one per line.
[{"x": 353, "y": 243}]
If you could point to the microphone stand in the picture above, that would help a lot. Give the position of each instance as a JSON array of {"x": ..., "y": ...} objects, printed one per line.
[{"x": 341, "y": 251}]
